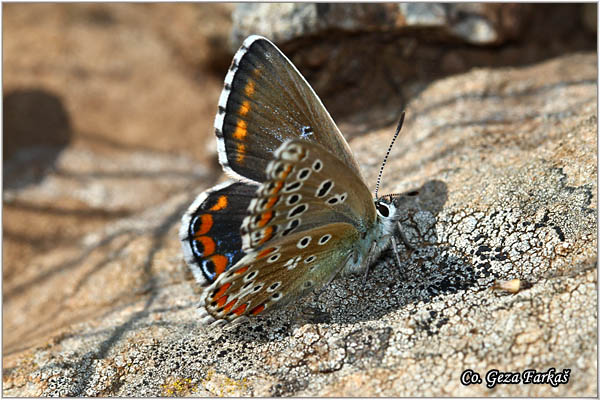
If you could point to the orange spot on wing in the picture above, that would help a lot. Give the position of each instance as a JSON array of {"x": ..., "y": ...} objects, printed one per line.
[
  {"x": 257, "y": 72},
  {"x": 265, "y": 218},
  {"x": 265, "y": 252},
  {"x": 257, "y": 309},
  {"x": 242, "y": 270},
  {"x": 241, "y": 130},
  {"x": 222, "y": 301},
  {"x": 267, "y": 236},
  {"x": 220, "y": 204},
  {"x": 287, "y": 171},
  {"x": 277, "y": 188},
  {"x": 271, "y": 202},
  {"x": 230, "y": 305},
  {"x": 220, "y": 263},
  {"x": 244, "y": 108},
  {"x": 206, "y": 222},
  {"x": 222, "y": 290},
  {"x": 241, "y": 150},
  {"x": 240, "y": 310},
  {"x": 249, "y": 89},
  {"x": 208, "y": 244}
]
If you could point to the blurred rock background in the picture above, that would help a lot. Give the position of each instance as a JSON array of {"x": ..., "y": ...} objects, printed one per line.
[{"x": 107, "y": 138}]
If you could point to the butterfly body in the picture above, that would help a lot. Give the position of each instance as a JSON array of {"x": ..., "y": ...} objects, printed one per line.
[{"x": 299, "y": 213}]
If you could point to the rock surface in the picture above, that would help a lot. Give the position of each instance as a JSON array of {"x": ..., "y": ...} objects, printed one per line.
[
  {"x": 403, "y": 47},
  {"x": 498, "y": 171},
  {"x": 475, "y": 23}
]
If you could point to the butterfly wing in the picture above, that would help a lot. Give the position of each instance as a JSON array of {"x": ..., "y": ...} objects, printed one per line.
[
  {"x": 291, "y": 250},
  {"x": 285, "y": 270},
  {"x": 265, "y": 102},
  {"x": 305, "y": 187},
  {"x": 210, "y": 229}
]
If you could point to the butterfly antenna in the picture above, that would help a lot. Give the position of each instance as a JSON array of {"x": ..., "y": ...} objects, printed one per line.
[{"x": 388, "y": 153}]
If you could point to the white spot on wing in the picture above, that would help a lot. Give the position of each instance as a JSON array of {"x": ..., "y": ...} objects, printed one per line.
[{"x": 223, "y": 98}]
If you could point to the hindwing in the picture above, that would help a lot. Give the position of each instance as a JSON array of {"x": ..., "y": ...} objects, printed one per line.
[
  {"x": 210, "y": 229},
  {"x": 305, "y": 187},
  {"x": 286, "y": 269}
]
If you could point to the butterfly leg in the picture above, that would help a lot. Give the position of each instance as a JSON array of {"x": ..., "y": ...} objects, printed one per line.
[
  {"x": 404, "y": 239},
  {"x": 369, "y": 259},
  {"x": 395, "y": 250}
]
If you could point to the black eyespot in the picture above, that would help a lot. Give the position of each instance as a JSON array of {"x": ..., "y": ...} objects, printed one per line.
[
  {"x": 303, "y": 174},
  {"x": 324, "y": 188},
  {"x": 317, "y": 165},
  {"x": 297, "y": 210},
  {"x": 274, "y": 286},
  {"x": 293, "y": 199},
  {"x": 250, "y": 276},
  {"x": 276, "y": 296},
  {"x": 292, "y": 186},
  {"x": 383, "y": 209},
  {"x": 247, "y": 285},
  {"x": 324, "y": 239},
  {"x": 332, "y": 200},
  {"x": 210, "y": 266},
  {"x": 304, "y": 241},
  {"x": 257, "y": 288},
  {"x": 293, "y": 225}
]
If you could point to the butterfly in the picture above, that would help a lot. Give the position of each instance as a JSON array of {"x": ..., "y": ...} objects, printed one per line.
[{"x": 297, "y": 211}]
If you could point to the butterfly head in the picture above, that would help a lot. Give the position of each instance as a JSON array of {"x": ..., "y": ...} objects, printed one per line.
[{"x": 387, "y": 213}]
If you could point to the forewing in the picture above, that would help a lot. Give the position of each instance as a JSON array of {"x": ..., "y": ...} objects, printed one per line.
[
  {"x": 283, "y": 271},
  {"x": 265, "y": 102},
  {"x": 210, "y": 229},
  {"x": 306, "y": 187}
]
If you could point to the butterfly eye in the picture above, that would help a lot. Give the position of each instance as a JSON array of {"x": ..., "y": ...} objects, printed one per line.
[{"x": 383, "y": 210}]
